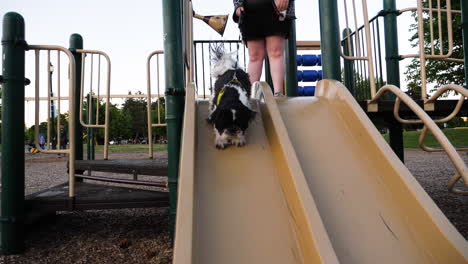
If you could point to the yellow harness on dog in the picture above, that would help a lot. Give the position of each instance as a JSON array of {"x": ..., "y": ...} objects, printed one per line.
[{"x": 221, "y": 93}]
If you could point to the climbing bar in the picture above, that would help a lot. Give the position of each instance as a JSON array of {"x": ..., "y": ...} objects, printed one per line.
[
  {"x": 421, "y": 33},
  {"x": 107, "y": 96}
]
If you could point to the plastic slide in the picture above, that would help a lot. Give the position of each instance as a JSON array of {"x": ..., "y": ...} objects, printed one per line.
[{"x": 315, "y": 184}]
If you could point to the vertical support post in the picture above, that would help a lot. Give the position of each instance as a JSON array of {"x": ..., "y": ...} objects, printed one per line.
[
  {"x": 348, "y": 65},
  {"x": 330, "y": 39},
  {"x": 12, "y": 190},
  {"x": 76, "y": 42},
  {"x": 93, "y": 130},
  {"x": 175, "y": 93},
  {"x": 88, "y": 130},
  {"x": 291, "y": 62},
  {"x": 52, "y": 109},
  {"x": 464, "y": 8},
  {"x": 268, "y": 78},
  {"x": 393, "y": 73}
]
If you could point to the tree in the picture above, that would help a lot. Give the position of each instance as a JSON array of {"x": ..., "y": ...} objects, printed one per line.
[
  {"x": 136, "y": 109},
  {"x": 437, "y": 71}
]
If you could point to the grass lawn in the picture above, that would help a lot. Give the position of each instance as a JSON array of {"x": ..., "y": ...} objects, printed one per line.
[
  {"x": 458, "y": 137},
  {"x": 130, "y": 148}
]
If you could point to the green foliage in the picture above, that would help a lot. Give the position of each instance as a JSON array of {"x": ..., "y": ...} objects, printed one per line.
[
  {"x": 129, "y": 121},
  {"x": 437, "y": 71}
]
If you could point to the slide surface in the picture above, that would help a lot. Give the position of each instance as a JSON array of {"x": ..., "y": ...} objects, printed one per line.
[{"x": 315, "y": 184}]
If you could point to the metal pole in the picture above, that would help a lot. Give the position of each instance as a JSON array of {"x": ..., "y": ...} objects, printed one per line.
[
  {"x": 12, "y": 190},
  {"x": 330, "y": 39},
  {"x": 76, "y": 42},
  {"x": 464, "y": 8},
  {"x": 393, "y": 73},
  {"x": 348, "y": 64},
  {"x": 291, "y": 62},
  {"x": 175, "y": 93}
]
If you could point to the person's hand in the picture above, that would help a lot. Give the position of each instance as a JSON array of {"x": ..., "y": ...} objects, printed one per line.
[
  {"x": 281, "y": 5},
  {"x": 239, "y": 11}
]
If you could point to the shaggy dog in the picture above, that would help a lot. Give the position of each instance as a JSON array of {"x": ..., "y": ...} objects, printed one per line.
[{"x": 229, "y": 111}]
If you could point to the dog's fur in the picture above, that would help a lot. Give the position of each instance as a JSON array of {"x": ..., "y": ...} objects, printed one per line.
[{"x": 231, "y": 117}]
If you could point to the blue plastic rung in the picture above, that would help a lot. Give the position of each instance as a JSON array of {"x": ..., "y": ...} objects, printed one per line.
[
  {"x": 309, "y": 60},
  {"x": 299, "y": 60},
  {"x": 309, "y": 90}
]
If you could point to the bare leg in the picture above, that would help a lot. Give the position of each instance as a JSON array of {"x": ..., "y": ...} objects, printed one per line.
[
  {"x": 275, "y": 49},
  {"x": 256, "y": 56}
]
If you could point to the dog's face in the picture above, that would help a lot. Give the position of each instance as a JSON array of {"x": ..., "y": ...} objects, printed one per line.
[
  {"x": 230, "y": 124},
  {"x": 231, "y": 120}
]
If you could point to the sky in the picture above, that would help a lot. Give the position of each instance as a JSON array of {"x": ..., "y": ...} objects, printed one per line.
[{"x": 129, "y": 30}]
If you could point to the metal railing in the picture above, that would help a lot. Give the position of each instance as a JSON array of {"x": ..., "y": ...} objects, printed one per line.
[
  {"x": 105, "y": 126},
  {"x": 429, "y": 124},
  {"x": 355, "y": 43},
  {"x": 202, "y": 66},
  {"x": 156, "y": 53},
  {"x": 71, "y": 103},
  {"x": 364, "y": 51}
]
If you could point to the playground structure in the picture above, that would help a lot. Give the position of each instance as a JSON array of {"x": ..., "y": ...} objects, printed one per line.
[{"x": 378, "y": 201}]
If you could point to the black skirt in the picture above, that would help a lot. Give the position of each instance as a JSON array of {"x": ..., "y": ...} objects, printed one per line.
[{"x": 261, "y": 22}]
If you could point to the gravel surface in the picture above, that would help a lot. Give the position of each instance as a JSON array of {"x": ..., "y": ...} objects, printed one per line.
[{"x": 142, "y": 235}]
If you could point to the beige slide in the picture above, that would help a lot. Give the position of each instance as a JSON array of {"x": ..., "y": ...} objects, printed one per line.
[{"x": 316, "y": 183}]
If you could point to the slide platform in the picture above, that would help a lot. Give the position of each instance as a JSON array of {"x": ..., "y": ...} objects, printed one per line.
[{"x": 316, "y": 183}]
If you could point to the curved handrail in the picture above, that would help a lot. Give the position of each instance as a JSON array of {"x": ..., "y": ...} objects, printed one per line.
[
  {"x": 460, "y": 166},
  {"x": 463, "y": 93},
  {"x": 106, "y": 115},
  {"x": 148, "y": 98},
  {"x": 72, "y": 114},
  {"x": 426, "y": 148}
]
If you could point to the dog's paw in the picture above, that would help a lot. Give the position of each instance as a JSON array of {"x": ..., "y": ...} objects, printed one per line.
[
  {"x": 220, "y": 146},
  {"x": 240, "y": 142}
]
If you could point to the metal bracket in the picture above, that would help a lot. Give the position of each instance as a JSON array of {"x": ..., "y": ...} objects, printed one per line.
[
  {"x": 175, "y": 92},
  {"x": 395, "y": 58},
  {"x": 385, "y": 12},
  {"x": 372, "y": 107},
  {"x": 9, "y": 220},
  {"x": 429, "y": 107},
  {"x": 3, "y": 80}
]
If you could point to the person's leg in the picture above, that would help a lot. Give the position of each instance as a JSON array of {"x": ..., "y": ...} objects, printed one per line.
[
  {"x": 256, "y": 56},
  {"x": 275, "y": 50}
]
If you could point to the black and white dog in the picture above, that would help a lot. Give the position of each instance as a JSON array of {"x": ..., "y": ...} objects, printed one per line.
[{"x": 229, "y": 111}]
